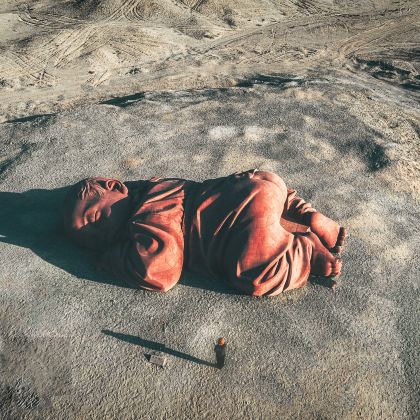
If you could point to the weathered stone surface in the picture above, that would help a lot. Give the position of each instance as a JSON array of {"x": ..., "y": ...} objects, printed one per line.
[{"x": 310, "y": 353}]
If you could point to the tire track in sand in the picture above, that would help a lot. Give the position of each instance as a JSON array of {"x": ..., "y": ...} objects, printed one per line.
[
  {"x": 33, "y": 71},
  {"x": 25, "y": 15}
]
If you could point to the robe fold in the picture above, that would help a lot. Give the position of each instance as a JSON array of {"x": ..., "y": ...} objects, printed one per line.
[{"x": 247, "y": 229}]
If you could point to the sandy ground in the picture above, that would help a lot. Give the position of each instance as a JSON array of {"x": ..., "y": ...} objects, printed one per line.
[{"x": 325, "y": 93}]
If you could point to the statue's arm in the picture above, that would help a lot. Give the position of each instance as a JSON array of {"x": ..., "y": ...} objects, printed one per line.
[{"x": 152, "y": 257}]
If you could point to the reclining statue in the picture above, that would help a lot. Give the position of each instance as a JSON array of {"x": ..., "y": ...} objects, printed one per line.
[{"x": 247, "y": 229}]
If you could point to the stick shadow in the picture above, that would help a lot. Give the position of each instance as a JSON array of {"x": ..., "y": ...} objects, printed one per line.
[{"x": 155, "y": 346}]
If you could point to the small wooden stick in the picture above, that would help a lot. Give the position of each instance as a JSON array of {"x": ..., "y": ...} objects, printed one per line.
[{"x": 220, "y": 350}]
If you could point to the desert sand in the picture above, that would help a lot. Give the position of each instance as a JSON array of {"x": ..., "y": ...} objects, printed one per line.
[{"x": 325, "y": 93}]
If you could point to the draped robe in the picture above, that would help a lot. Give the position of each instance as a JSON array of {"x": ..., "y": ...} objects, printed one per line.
[{"x": 246, "y": 229}]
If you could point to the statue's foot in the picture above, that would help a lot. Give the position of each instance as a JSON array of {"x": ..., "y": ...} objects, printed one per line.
[
  {"x": 331, "y": 234},
  {"x": 341, "y": 237},
  {"x": 323, "y": 263}
]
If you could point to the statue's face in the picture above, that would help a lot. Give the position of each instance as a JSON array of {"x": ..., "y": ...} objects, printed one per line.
[{"x": 97, "y": 221}]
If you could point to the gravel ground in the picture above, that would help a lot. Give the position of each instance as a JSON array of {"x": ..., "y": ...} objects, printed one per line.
[{"x": 73, "y": 340}]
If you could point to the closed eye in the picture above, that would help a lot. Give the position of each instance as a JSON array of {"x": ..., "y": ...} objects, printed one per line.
[{"x": 90, "y": 216}]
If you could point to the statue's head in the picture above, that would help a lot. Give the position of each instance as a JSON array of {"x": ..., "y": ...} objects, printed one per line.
[{"x": 95, "y": 211}]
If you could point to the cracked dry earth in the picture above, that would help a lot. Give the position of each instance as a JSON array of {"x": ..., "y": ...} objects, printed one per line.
[{"x": 325, "y": 93}]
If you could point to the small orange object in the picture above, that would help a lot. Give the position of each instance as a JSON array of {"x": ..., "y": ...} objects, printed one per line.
[{"x": 220, "y": 349}]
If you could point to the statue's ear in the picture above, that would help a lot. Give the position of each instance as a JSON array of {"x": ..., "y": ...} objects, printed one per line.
[
  {"x": 111, "y": 184},
  {"x": 115, "y": 185}
]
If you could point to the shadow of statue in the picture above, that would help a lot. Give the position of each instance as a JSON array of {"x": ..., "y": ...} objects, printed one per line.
[
  {"x": 200, "y": 281},
  {"x": 158, "y": 347},
  {"x": 32, "y": 219}
]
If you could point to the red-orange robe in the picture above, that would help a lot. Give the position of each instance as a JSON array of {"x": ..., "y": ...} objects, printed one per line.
[{"x": 229, "y": 227}]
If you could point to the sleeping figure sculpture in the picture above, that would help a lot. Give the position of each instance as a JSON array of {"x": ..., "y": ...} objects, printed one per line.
[{"x": 247, "y": 229}]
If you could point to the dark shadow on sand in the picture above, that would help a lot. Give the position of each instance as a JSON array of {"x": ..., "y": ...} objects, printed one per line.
[
  {"x": 124, "y": 101},
  {"x": 39, "y": 118},
  {"x": 158, "y": 347},
  {"x": 32, "y": 220},
  {"x": 207, "y": 283}
]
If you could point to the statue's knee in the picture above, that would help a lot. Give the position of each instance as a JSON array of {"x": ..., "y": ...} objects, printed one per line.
[{"x": 273, "y": 178}]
